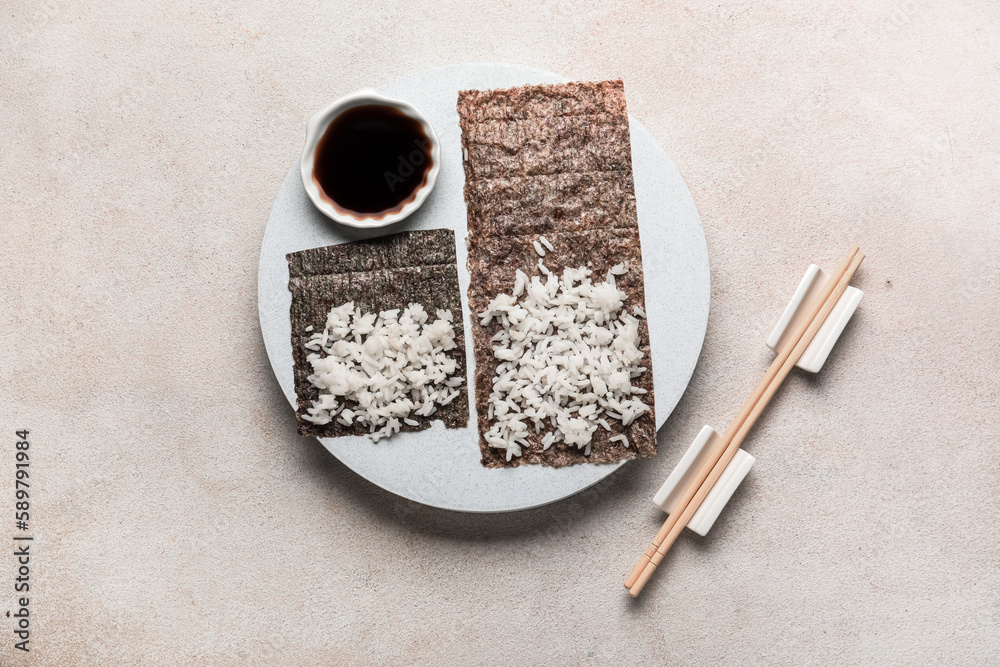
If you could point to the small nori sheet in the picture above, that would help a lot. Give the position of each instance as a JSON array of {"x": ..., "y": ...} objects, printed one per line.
[
  {"x": 552, "y": 160},
  {"x": 404, "y": 249},
  {"x": 379, "y": 274}
]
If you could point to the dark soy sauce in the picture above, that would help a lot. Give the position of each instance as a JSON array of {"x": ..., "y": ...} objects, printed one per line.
[{"x": 372, "y": 159}]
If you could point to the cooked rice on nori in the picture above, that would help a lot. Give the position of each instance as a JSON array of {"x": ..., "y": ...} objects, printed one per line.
[
  {"x": 492, "y": 272},
  {"x": 380, "y": 274},
  {"x": 552, "y": 160}
]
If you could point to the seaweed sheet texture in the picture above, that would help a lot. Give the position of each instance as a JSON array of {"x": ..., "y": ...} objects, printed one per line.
[
  {"x": 552, "y": 160},
  {"x": 378, "y": 274}
]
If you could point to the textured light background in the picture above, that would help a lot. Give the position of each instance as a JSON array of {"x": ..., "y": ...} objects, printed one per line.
[{"x": 180, "y": 519}]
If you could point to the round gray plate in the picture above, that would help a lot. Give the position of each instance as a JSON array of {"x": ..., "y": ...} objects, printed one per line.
[{"x": 439, "y": 466}]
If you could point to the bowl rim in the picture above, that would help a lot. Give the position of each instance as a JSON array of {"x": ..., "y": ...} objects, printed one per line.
[{"x": 317, "y": 126}]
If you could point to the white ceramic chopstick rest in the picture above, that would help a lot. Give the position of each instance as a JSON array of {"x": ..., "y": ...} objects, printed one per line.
[
  {"x": 812, "y": 360},
  {"x": 806, "y": 293},
  {"x": 682, "y": 476}
]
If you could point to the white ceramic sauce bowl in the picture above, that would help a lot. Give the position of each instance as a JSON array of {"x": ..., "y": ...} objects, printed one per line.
[{"x": 315, "y": 129}]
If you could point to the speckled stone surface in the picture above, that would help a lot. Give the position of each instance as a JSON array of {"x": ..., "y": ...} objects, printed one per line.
[{"x": 143, "y": 146}]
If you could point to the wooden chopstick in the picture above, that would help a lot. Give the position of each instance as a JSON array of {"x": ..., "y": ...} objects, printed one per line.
[
  {"x": 765, "y": 390},
  {"x": 727, "y": 438}
]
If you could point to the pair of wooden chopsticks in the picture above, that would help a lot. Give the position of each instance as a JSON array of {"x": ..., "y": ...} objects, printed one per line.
[{"x": 737, "y": 431}]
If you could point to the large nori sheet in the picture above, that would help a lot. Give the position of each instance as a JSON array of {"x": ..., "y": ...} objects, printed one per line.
[
  {"x": 550, "y": 203},
  {"x": 552, "y": 160},
  {"x": 323, "y": 278},
  {"x": 565, "y": 99},
  {"x": 548, "y": 145}
]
